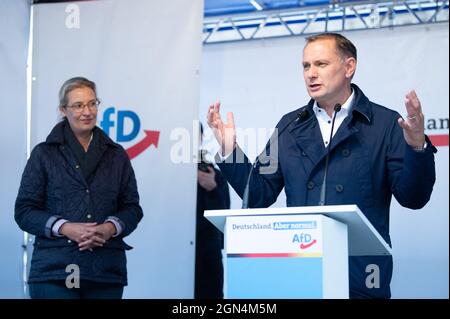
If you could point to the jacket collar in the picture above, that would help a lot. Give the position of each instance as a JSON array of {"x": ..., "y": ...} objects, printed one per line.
[
  {"x": 361, "y": 104},
  {"x": 56, "y": 136}
]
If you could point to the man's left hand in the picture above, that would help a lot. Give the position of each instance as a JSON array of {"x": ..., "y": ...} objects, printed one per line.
[{"x": 413, "y": 125}]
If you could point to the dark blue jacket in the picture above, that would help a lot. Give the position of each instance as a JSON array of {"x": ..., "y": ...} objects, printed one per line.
[
  {"x": 54, "y": 187},
  {"x": 370, "y": 161}
]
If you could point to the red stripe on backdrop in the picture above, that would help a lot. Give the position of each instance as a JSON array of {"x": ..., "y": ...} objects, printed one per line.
[{"x": 439, "y": 140}]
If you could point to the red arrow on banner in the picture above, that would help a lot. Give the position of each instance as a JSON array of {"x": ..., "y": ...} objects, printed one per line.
[
  {"x": 439, "y": 140},
  {"x": 151, "y": 137},
  {"x": 304, "y": 246}
]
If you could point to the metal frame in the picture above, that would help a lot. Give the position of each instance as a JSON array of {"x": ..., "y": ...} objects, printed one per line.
[{"x": 336, "y": 17}]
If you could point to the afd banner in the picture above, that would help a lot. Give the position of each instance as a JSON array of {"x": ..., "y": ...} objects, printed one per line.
[
  {"x": 390, "y": 63},
  {"x": 144, "y": 57},
  {"x": 14, "y": 28}
]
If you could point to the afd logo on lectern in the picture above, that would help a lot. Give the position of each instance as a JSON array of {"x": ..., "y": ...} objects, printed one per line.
[
  {"x": 127, "y": 125},
  {"x": 304, "y": 239}
]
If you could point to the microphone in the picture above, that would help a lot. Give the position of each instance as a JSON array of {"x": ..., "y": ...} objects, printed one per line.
[
  {"x": 301, "y": 116},
  {"x": 323, "y": 191}
]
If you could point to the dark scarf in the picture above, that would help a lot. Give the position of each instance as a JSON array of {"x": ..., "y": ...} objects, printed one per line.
[{"x": 89, "y": 160}]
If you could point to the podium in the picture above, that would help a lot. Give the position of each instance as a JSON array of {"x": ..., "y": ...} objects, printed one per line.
[{"x": 294, "y": 252}]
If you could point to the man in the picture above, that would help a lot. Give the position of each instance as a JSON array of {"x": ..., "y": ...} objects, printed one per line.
[
  {"x": 374, "y": 153},
  {"x": 212, "y": 193}
]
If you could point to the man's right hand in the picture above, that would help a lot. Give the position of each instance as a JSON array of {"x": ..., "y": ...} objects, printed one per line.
[{"x": 225, "y": 133}]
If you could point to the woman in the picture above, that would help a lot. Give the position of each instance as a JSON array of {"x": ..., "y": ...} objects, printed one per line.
[{"x": 78, "y": 196}]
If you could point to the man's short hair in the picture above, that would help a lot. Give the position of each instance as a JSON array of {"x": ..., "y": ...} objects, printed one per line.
[{"x": 343, "y": 45}]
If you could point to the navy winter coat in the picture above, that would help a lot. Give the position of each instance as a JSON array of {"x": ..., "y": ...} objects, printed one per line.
[
  {"x": 54, "y": 187},
  {"x": 370, "y": 161}
]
